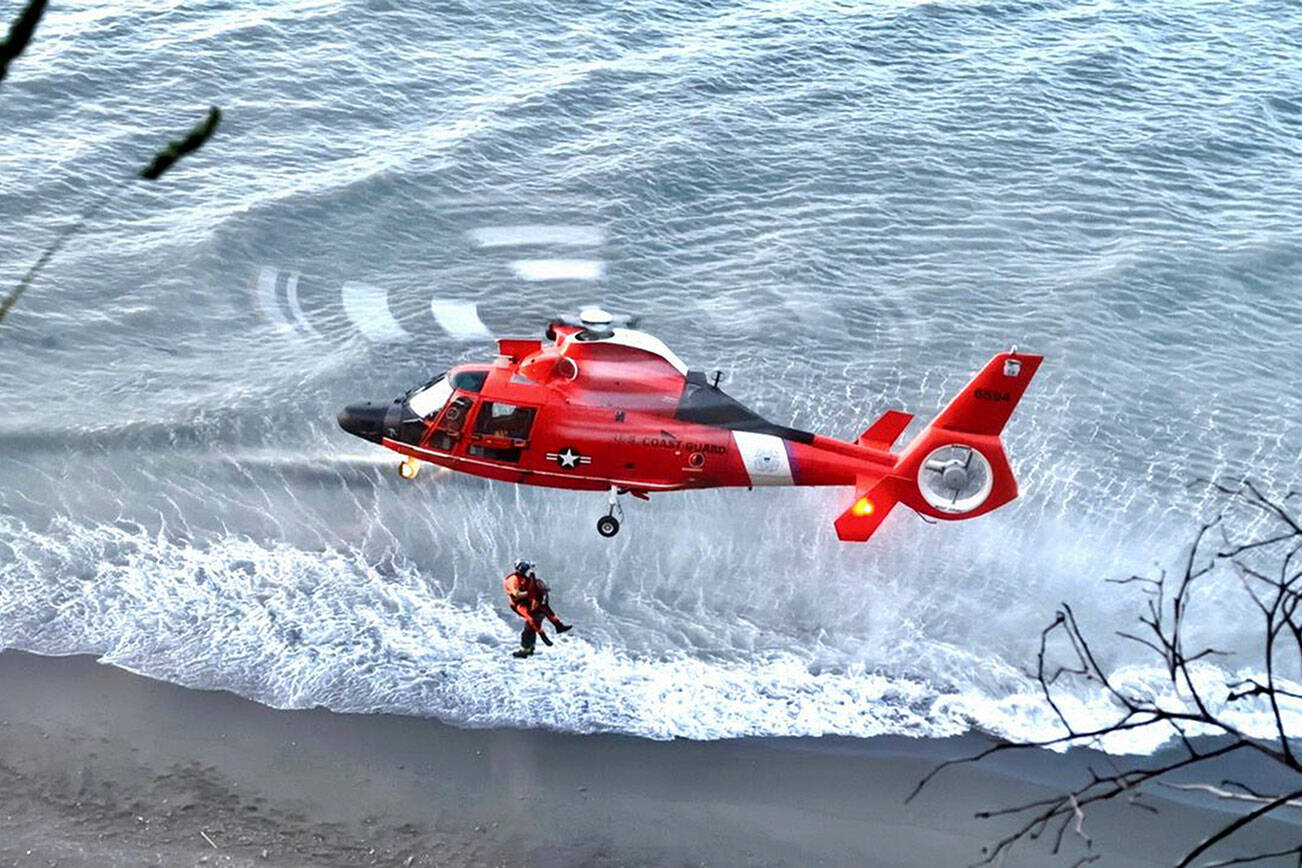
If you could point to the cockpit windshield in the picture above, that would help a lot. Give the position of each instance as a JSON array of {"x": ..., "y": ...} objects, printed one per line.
[{"x": 425, "y": 401}]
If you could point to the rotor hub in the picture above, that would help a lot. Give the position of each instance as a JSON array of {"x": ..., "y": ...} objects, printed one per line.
[
  {"x": 597, "y": 322},
  {"x": 954, "y": 477}
]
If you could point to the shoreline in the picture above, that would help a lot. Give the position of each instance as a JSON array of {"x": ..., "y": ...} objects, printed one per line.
[{"x": 102, "y": 767}]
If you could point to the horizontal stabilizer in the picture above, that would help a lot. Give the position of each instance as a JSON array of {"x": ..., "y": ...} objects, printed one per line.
[
  {"x": 883, "y": 433},
  {"x": 867, "y": 512}
]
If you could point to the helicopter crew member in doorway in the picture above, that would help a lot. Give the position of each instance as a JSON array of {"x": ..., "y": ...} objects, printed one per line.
[{"x": 528, "y": 596}]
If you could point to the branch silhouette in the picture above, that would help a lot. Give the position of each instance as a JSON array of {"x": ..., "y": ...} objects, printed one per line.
[
  {"x": 20, "y": 34},
  {"x": 1268, "y": 563},
  {"x": 158, "y": 165}
]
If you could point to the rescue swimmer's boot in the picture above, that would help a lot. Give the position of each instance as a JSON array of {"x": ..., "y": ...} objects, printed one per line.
[
  {"x": 563, "y": 628},
  {"x": 522, "y": 652}
]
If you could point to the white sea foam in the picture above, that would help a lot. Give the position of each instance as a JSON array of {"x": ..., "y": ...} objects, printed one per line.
[{"x": 294, "y": 628}]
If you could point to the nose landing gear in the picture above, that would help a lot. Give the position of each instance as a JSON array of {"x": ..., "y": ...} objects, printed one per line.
[
  {"x": 608, "y": 525},
  {"x": 409, "y": 468}
]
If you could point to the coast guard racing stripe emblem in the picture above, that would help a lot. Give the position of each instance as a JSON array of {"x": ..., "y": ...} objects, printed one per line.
[{"x": 569, "y": 458}]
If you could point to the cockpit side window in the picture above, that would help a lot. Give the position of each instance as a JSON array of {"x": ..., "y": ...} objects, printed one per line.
[
  {"x": 454, "y": 417},
  {"x": 444, "y": 435}
]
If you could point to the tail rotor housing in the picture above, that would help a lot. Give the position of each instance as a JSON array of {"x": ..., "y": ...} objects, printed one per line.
[
  {"x": 955, "y": 478},
  {"x": 956, "y": 468}
]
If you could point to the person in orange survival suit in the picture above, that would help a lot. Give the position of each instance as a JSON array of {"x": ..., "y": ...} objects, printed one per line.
[{"x": 528, "y": 596}]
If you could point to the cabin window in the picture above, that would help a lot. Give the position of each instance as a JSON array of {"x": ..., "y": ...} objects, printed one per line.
[
  {"x": 504, "y": 420},
  {"x": 495, "y": 453},
  {"x": 501, "y": 431}
]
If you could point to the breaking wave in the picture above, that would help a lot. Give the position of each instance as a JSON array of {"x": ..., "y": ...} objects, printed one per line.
[{"x": 298, "y": 629}]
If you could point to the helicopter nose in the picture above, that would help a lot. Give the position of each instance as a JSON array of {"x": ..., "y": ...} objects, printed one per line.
[{"x": 364, "y": 420}]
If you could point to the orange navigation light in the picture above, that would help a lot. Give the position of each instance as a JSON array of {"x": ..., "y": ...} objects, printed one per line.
[{"x": 863, "y": 506}]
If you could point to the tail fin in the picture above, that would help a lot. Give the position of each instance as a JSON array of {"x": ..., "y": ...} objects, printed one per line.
[
  {"x": 956, "y": 468},
  {"x": 985, "y": 404}
]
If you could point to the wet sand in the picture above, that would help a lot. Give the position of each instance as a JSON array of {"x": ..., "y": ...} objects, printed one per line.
[{"x": 102, "y": 767}]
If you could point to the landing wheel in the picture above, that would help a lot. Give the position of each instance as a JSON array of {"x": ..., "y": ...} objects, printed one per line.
[
  {"x": 408, "y": 469},
  {"x": 608, "y": 525}
]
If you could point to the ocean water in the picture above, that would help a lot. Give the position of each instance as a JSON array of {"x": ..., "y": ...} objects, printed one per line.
[{"x": 846, "y": 207}]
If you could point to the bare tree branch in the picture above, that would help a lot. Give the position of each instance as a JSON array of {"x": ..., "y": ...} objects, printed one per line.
[
  {"x": 1260, "y": 857},
  {"x": 1065, "y": 655},
  {"x": 1227, "y": 794},
  {"x": 1230, "y": 829}
]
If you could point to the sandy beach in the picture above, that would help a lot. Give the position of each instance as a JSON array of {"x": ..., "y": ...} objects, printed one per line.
[{"x": 102, "y": 767}]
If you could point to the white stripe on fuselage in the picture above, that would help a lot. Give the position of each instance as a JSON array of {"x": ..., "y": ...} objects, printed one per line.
[{"x": 765, "y": 458}]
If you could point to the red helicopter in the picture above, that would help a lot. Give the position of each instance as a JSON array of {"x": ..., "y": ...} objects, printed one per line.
[{"x": 601, "y": 407}]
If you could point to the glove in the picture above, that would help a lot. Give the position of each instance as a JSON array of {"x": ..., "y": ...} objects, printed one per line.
[{"x": 546, "y": 639}]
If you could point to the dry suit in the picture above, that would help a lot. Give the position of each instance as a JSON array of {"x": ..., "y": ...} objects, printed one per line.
[{"x": 528, "y": 597}]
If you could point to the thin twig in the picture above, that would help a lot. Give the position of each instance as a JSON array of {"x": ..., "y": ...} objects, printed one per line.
[{"x": 1065, "y": 650}]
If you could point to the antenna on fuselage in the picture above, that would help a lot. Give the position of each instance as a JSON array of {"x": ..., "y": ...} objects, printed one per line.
[{"x": 718, "y": 375}]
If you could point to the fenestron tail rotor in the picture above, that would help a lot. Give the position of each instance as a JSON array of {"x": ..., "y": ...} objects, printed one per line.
[{"x": 955, "y": 478}]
